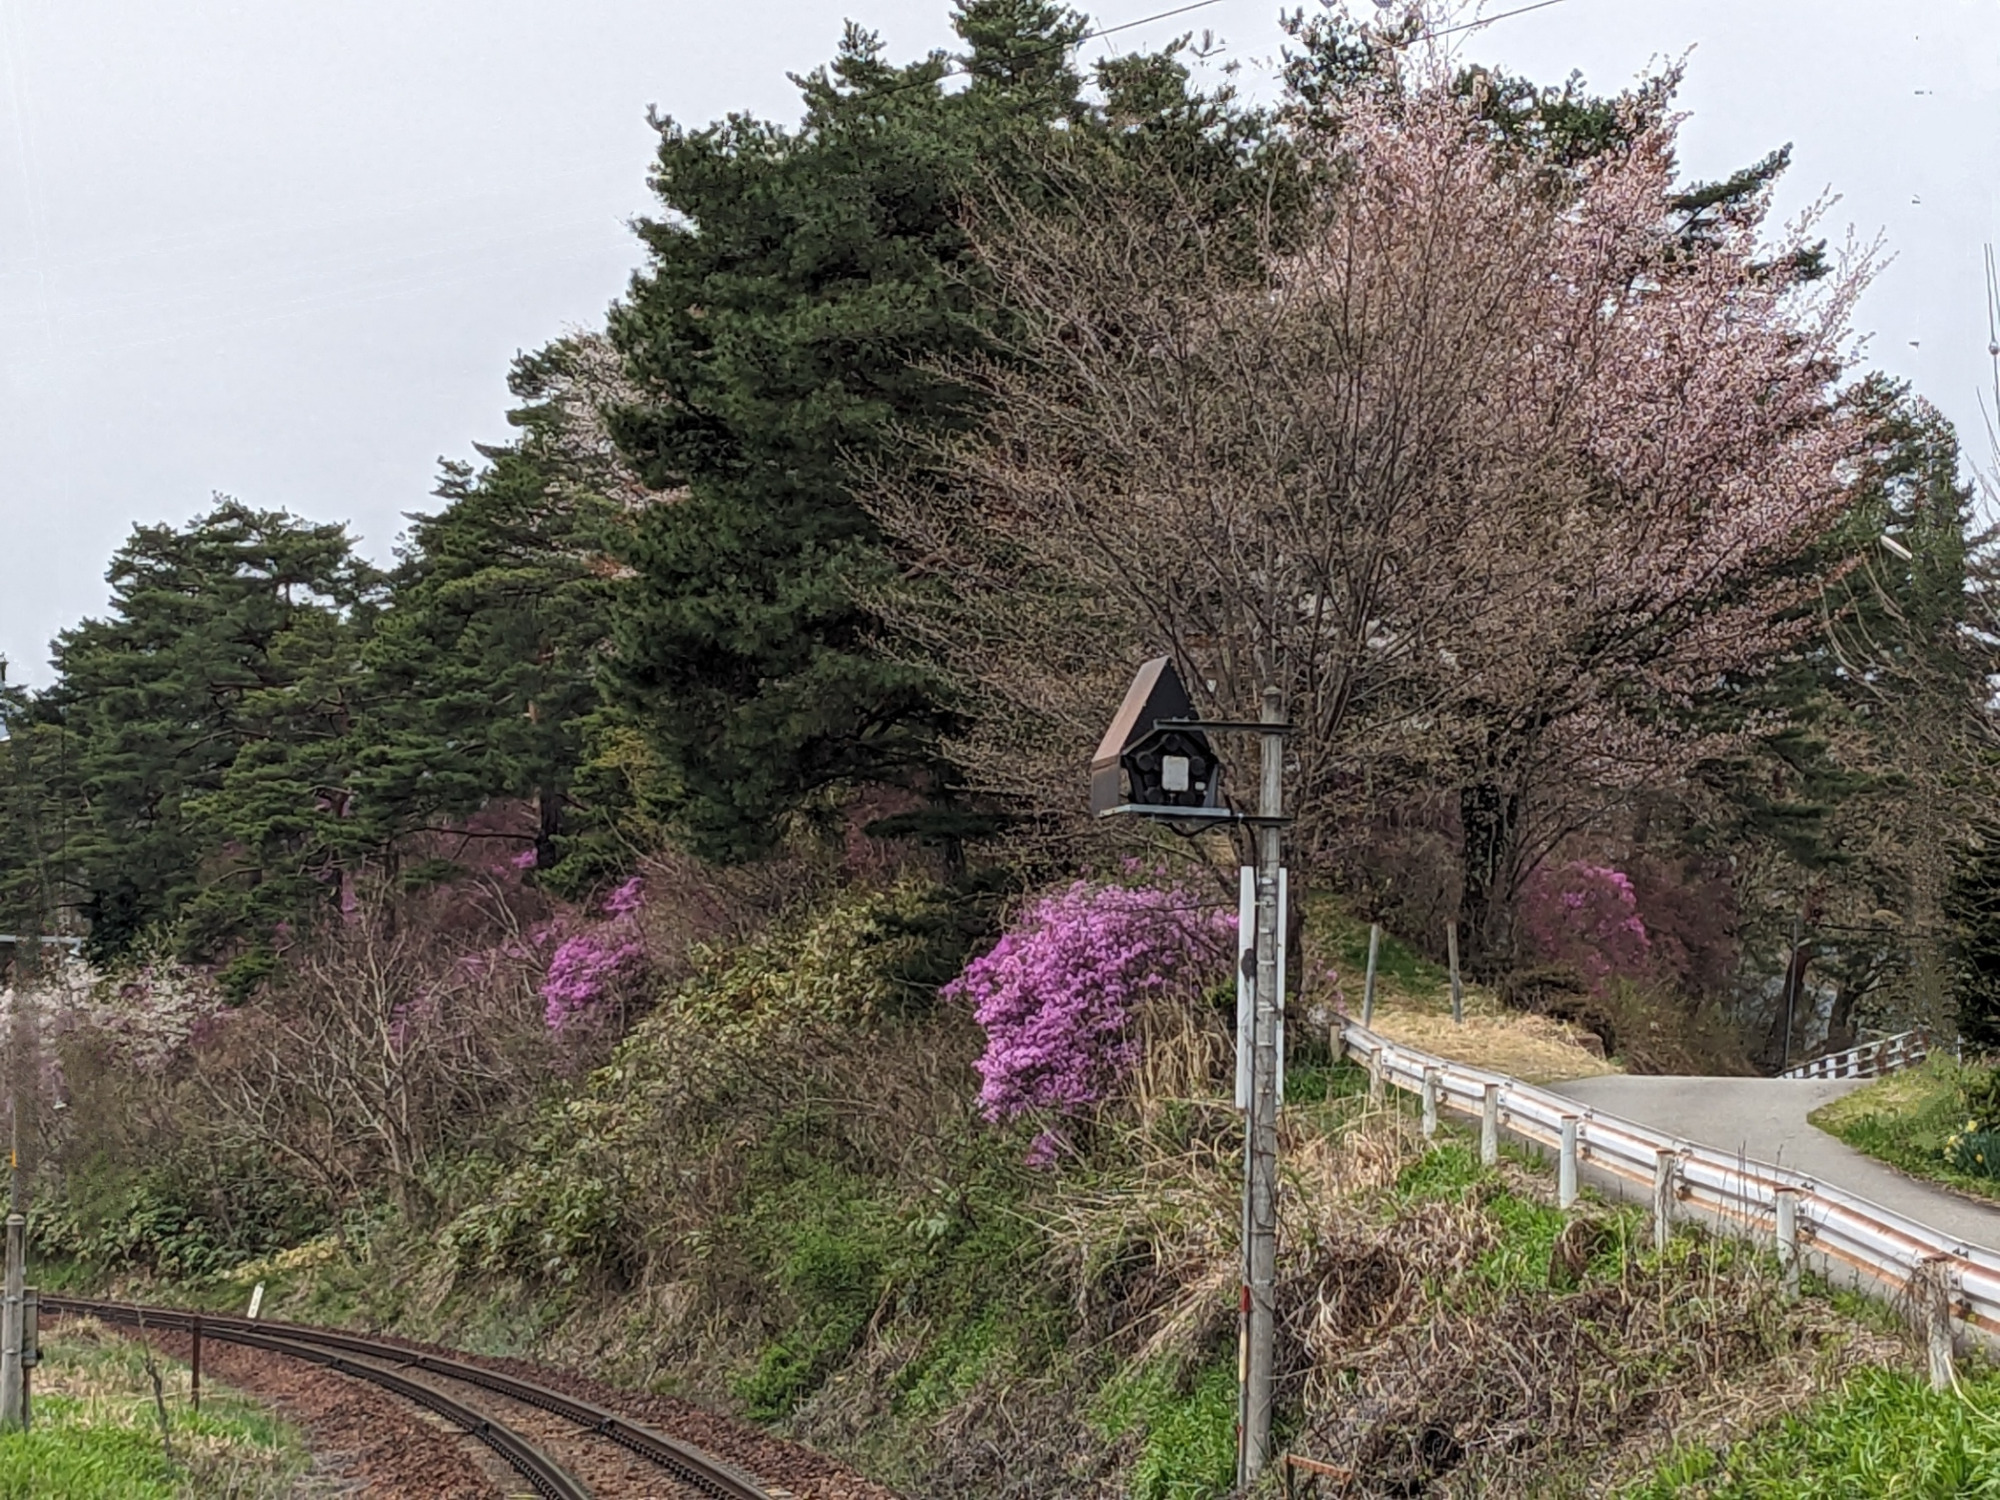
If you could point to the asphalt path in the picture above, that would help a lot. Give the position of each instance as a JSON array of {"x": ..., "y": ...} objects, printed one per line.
[{"x": 1764, "y": 1120}]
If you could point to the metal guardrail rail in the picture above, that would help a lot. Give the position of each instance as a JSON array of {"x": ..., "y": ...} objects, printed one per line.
[
  {"x": 326, "y": 1346},
  {"x": 1869, "y": 1059},
  {"x": 1888, "y": 1254}
]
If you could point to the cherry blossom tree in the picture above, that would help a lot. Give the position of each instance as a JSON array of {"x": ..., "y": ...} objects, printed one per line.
[{"x": 1496, "y": 470}]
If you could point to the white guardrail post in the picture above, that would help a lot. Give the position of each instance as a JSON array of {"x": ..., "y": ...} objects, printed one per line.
[
  {"x": 1666, "y": 1185},
  {"x": 1884, "y": 1253},
  {"x": 1788, "y": 1241},
  {"x": 1566, "y": 1166}
]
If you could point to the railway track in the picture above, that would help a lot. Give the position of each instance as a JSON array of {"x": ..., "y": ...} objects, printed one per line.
[{"x": 383, "y": 1364}]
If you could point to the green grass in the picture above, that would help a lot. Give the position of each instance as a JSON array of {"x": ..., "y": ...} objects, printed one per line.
[
  {"x": 96, "y": 1433},
  {"x": 1343, "y": 940},
  {"x": 1185, "y": 1422},
  {"x": 1906, "y": 1120},
  {"x": 1885, "y": 1436}
]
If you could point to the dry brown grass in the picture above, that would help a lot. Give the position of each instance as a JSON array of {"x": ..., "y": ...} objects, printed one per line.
[{"x": 1532, "y": 1048}]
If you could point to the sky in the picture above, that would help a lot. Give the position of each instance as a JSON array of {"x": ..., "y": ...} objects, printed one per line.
[{"x": 286, "y": 251}]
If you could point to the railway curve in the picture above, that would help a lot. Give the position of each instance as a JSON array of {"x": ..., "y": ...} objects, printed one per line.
[{"x": 345, "y": 1352}]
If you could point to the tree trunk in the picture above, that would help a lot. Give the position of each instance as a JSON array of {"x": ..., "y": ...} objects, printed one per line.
[
  {"x": 548, "y": 826},
  {"x": 1792, "y": 1005},
  {"x": 1490, "y": 822}
]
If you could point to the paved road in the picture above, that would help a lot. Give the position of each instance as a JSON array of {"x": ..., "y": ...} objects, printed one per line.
[{"x": 1764, "y": 1119}]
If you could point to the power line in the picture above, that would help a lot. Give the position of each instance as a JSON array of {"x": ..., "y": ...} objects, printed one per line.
[
  {"x": 961, "y": 70},
  {"x": 1047, "y": 47},
  {"x": 1482, "y": 21}
]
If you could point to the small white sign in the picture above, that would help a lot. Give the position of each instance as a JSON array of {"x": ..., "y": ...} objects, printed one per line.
[{"x": 1246, "y": 980}]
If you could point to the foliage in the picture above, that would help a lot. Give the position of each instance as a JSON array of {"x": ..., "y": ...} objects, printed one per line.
[
  {"x": 481, "y": 678},
  {"x": 1911, "y": 1119},
  {"x": 96, "y": 1434},
  {"x": 586, "y": 965},
  {"x": 575, "y": 1206},
  {"x": 1974, "y": 1148},
  {"x": 1057, "y": 995},
  {"x": 1973, "y": 907},
  {"x": 1973, "y": 1152},
  {"x": 1884, "y": 1433},
  {"x": 802, "y": 287},
  {"x": 1186, "y": 1422},
  {"x": 1151, "y": 468},
  {"x": 204, "y": 712}
]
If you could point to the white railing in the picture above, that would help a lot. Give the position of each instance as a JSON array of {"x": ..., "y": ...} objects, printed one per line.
[
  {"x": 1869, "y": 1060},
  {"x": 1884, "y": 1253}
]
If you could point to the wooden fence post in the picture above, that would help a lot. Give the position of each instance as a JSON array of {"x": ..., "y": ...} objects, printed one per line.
[{"x": 1457, "y": 993}]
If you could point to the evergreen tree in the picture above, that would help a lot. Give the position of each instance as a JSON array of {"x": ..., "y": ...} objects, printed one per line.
[
  {"x": 1851, "y": 806},
  {"x": 207, "y": 710},
  {"x": 35, "y": 799},
  {"x": 481, "y": 675},
  {"x": 802, "y": 291},
  {"x": 1973, "y": 908}
]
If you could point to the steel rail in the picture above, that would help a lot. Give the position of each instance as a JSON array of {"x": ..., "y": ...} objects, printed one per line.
[
  {"x": 549, "y": 1478},
  {"x": 689, "y": 1465}
]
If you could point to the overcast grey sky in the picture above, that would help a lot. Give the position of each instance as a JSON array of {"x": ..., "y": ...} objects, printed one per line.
[{"x": 286, "y": 250}]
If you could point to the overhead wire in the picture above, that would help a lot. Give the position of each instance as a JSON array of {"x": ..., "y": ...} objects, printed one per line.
[{"x": 962, "y": 70}]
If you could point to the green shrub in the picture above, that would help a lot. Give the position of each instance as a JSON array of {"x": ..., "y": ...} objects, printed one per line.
[
  {"x": 1979, "y": 1092},
  {"x": 1918, "y": 1120},
  {"x": 167, "y": 1222}
]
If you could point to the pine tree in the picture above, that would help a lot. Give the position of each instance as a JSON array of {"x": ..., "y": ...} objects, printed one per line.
[
  {"x": 206, "y": 712},
  {"x": 481, "y": 675},
  {"x": 802, "y": 291}
]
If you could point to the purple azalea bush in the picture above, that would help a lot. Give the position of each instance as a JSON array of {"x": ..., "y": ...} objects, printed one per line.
[
  {"x": 581, "y": 974},
  {"x": 1587, "y": 916},
  {"x": 587, "y": 965},
  {"x": 1057, "y": 994}
]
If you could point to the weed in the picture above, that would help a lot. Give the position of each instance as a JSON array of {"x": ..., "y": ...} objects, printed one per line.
[
  {"x": 97, "y": 1435},
  {"x": 1885, "y": 1433},
  {"x": 1185, "y": 1424}
]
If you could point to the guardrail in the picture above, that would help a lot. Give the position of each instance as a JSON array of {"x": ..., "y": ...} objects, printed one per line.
[
  {"x": 1869, "y": 1059},
  {"x": 1939, "y": 1279}
]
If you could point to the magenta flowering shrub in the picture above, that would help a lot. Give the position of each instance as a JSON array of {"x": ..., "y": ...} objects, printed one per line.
[
  {"x": 1057, "y": 994},
  {"x": 582, "y": 972},
  {"x": 628, "y": 899},
  {"x": 1587, "y": 917},
  {"x": 588, "y": 964}
]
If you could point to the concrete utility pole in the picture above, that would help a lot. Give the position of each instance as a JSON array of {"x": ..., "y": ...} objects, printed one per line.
[
  {"x": 13, "y": 1385},
  {"x": 1261, "y": 1125},
  {"x": 1155, "y": 761}
]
